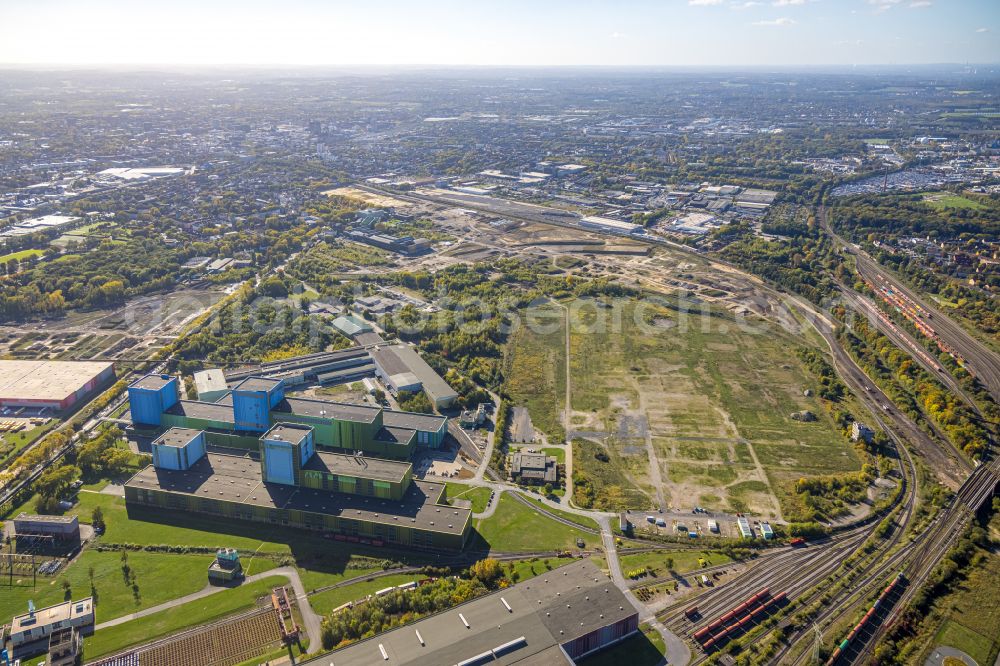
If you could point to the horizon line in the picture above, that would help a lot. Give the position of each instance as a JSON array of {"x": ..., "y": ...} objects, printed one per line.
[{"x": 264, "y": 65}]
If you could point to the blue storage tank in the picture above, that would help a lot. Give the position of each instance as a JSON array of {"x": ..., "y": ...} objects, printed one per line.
[{"x": 150, "y": 396}]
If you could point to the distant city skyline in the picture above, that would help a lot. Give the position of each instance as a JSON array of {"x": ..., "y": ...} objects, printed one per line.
[{"x": 679, "y": 33}]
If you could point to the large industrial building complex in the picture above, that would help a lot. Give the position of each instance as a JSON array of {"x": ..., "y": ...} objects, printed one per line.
[
  {"x": 399, "y": 366},
  {"x": 402, "y": 369},
  {"x": 557, "y": 617},
  {"x": 310, "y": 465},
  {"x": 55, "y": 385}
]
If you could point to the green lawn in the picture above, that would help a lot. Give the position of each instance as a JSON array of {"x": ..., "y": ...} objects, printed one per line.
[
  {"x": 521, "y": 570},
  {"x": 86, "y": 229},
  {"x": 589, "y": 523},
  {"x": 20, "y": 255},
  {"x": 970, "y": 613},
  {"x": 136, "y": 632},
  {"x": 516, "y": 527},
  {"x": 684, "y": 560},
  {"x": 324, "y": 602},
  {"x": 557, "y": 452},
  {"x": 478, "y": 495},
  {"x": 14, "y": 443},
  {"x": 943, "y": 201},
  {"x": 314, "y": 579},
  {"x": 979, "y": 647},
  {"x": 160, "y": 577}
]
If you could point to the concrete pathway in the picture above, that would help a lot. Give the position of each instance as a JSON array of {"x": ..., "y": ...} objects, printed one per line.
[
  {"x": 567, "y": 498},
  {"x": 309, "y": 618},
  {"x": 677, "y": 650}
]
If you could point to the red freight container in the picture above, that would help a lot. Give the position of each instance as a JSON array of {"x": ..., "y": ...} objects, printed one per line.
[
  {"x": 692, "y": 611},
  {"x": 702, "y": 633}
]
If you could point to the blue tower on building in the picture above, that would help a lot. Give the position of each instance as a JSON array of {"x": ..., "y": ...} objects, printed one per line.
[
  {"x": 284, "y": 451},
  {"x": 150, "y": 396},
  {"x": 178, "y": 448},
  {"x": 253, "y": 399}
]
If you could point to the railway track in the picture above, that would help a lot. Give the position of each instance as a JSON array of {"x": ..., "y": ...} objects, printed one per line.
[
  {"x": 926, "y": 552},
  {"x": 875, "y": 569},
  {"x": 782, "y": 570},
  {"x": 801, "y": 570}
]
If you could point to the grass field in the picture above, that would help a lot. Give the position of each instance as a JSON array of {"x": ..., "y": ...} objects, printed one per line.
[
  {"x": 537, "y": 362},
  {"x": 684, "y": 560},
  {"x": 711, "y": 398},
  {"x": 160, "y": 577},
  {"x": 20, "y": 255},
  {"x": 14, "y": 443},
  {"x": 971, "y": 613},
  {"x": 324, "y": 602},
  {"x": 201, "y": 611},
  {"x": 943, "y": 201},
  {"x": 556, "y": 452},
  {"x": 980, "y": 647},
  {"x": 478, "y": 495},
  {"x": 583, "y": 521},
  {"x": 516, "y": 527}
]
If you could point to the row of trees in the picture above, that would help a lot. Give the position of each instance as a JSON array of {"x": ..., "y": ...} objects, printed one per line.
[
  {"x": 913, "y": 389},
  {"x": 399, "y": 607}
]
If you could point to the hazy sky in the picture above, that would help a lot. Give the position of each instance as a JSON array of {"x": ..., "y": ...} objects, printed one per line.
[{"x": 509, "y": 32}]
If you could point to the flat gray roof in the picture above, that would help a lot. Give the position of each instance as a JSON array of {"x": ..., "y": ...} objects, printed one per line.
[
  {"x": 257, "y": 384},
  {"x": 360, "y": 466},
  {"x": 394, "y": 435},
  {"x": 287, "y": 432},
  {"x": 238, "y": 479},
  {"x": 371, "y": 338},
  {"x": 153, "y": 382},
  {"x": 412, "y": 420},
  {"x": 44, "y": 518},
  {"x": 548, "y": 610},
  {"x": 223, "y": 411},
  {"x": 435, "y": 386},
  {"x": 326, "y": 409},
  {"x": 389, "y": 361},
  {"x": 178, "y": 437},
  {"x": 213, "y": 411},
  {"x": 212, "y": 379}
]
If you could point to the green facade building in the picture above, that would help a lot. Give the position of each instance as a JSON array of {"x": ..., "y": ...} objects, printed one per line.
[{"x": 291, "y": 483}]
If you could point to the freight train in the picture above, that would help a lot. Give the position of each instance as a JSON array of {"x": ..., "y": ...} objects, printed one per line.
[
  {"x": 739, "y": 619},
  {"x": 898, "y": 580}
]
